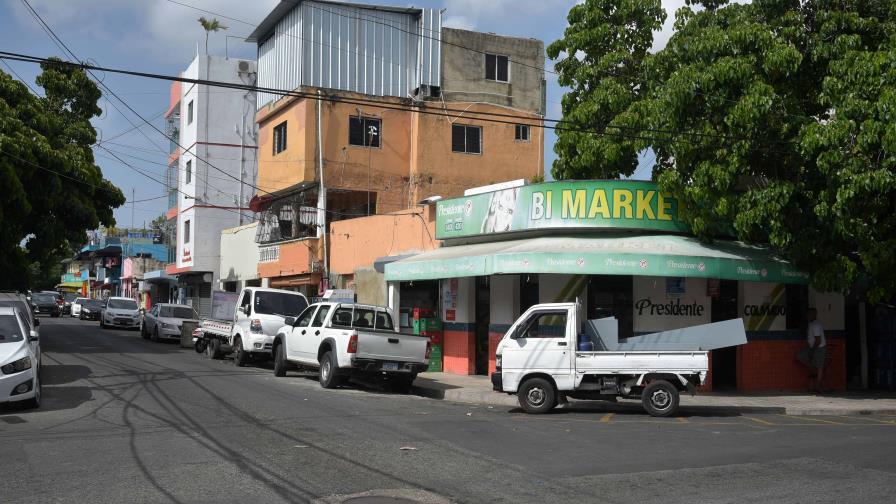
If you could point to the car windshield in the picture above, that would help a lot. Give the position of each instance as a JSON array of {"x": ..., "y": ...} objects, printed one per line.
[
  {"x": 123, "y": 304},
  {"x": 10, "y": 330},
  {"x": 278, "y": 303},
  {"x": 92, "y": 304},
  {"x": 347, "y": 316},
  {"x": 181, "y": 312},
  {"x": 71, "y": 296},
  {"x": 44, "y": 298}
]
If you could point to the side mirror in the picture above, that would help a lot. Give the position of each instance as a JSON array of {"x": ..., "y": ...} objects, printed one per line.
[
  {"x": 241, "y": 309},
  {"x": 33, "y": 336},
  {"x": 290, "y": 321}
]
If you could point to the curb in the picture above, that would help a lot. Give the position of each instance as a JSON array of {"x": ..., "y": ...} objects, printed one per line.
[{"x": 491, "y": 398}]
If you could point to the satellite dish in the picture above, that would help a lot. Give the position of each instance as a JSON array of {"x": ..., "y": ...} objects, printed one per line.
[{"x": 243, "y": 66}]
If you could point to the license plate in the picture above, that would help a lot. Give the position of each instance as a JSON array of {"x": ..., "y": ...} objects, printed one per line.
[{"x": 390, "y": 366}]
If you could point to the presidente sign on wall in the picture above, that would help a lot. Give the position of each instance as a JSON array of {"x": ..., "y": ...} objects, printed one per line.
[{"x": 622, "y": 204}]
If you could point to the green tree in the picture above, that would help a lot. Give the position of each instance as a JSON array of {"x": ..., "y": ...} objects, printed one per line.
[
  {"x": 53, "y": 190},
  {"x": 775, "y": 118}
]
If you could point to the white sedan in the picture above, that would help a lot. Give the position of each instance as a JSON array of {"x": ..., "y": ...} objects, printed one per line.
[
  {"x": 76, "y": 306},
  {"x": 19, "y": 359}
]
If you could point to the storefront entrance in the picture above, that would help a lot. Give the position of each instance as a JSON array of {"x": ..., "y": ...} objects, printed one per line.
[
  {"x": 724, "y": 307},
  {"x": 482, "y": 321}
]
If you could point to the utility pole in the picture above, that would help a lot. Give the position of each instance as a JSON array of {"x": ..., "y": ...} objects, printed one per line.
[
  {"x": 241, "y": 130},
  {"x": 322, "y": 191},
  {"x": 371, "y": 132},
  {"x": 132, "y": 207}
]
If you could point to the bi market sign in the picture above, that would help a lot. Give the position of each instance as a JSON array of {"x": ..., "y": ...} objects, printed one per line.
[{"x": 599, "y": 204}]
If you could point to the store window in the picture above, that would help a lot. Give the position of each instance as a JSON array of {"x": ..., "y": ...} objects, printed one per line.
[{"x": 611, "y": 296}]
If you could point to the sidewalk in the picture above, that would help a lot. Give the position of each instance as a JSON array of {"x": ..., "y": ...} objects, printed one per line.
[{"x": 478, "y": 390}]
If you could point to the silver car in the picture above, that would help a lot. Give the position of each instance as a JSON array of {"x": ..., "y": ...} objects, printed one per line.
[
  {"x": 164, "y": 321},
  {"x": 120, "y": 312}
]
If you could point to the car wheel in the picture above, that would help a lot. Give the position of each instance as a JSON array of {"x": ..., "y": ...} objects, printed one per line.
[
  {"x": 537, "y": 396},
  {"x": 200, "y": 345},
  {"x": 240, "y": 356},
  {"x": 660, "y": 398},
  {"x": 279, "y": 361},
  {"x": 329, "y": 371},
  {"x": 34, "y": 402},
  {"x": 155, "y": 335}
]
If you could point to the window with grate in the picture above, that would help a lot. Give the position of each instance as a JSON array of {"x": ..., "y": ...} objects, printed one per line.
[
  {"x": 364, "y": 131},
  {"x": 466, "y": 139},
  {"x": 280, "y": 138},
  {"x": 497, "y": 68}
]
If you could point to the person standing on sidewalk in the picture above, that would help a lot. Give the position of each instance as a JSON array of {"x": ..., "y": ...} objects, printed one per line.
[{"x": 815, "y": 352}]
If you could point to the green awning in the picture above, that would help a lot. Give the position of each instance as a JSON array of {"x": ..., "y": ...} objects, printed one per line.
[{"x": 618, "y": 254}]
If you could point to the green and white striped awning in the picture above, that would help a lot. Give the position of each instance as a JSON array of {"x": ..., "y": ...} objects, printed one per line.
[{"x": 619, "y": 254}]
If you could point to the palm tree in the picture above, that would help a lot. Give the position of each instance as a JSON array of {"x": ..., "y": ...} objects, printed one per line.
[{"x": 212, "y": 25}]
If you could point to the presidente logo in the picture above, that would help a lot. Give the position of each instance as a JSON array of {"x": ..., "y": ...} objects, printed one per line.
[
  {"x": 615, "y": 203},
  {"x": 674, "y": 307},
  {"x": 684, "y": 265}
]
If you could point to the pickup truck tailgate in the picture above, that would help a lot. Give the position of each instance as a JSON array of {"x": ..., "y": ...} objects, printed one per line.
[{"x": 391, "y": 346}]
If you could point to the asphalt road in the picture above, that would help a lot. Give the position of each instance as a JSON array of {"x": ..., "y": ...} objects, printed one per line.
[{"x": 128, "y": 420}]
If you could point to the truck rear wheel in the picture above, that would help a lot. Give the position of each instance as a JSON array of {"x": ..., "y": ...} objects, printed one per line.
[
  {"x": 660, "y": 398},
  {"x": 537, "y": 395},
  {"x": 329, "y": 371},
  {"x": 213, "y": 350},
  {"x": 279, "y": 361}
]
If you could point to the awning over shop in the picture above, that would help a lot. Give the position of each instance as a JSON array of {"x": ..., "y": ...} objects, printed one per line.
[
  {"x": 616, "y": 254},
  {"x": 70, "y": 285}
]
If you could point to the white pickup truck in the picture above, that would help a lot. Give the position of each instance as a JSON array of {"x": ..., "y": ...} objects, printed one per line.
[
  {"x": 246, "y": 326},
  {"x": 345, "y": 339},
  {"x": 539, "y": 360}
]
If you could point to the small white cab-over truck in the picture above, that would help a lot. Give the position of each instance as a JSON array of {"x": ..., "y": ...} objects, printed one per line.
[
  {"x": 345, "y": 339},
  {"x": 551, "y": 351},
  {"x": 245, "y": 323}
]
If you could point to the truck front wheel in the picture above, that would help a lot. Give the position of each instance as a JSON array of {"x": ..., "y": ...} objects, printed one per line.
[
  {"x": 240, "y": 356},
  {"x": 329, "y": 371},
  {"x": 537, "y": 395},
  {"x": 660, "y": 398}
]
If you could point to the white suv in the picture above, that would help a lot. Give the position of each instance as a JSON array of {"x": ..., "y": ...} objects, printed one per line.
[{"x": 120, "y": 312}]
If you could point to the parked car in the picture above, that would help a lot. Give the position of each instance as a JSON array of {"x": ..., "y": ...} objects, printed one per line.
[
  {"x": 19, "y": 358},
  {"x": 17, "y": 300},
  {"x": 164, "y": 320},
  {"x": 90, "y": 309},
  {"x": 45, "y": 303},
  {"x": 344, "y": 339},
  {"x": 67, "y": 299},
  {"x": 245, "y": 323},
  {"x": 120, "y": 312},
  {"x": 76, "y": 306}
]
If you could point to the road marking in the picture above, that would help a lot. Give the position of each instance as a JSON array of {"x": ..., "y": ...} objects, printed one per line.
[
  {"x": 606, "y": 418},
  {"x": 866, "y": 419},
  {"x": 819, "y": 420},
  {"x": 682, "y": 419},
  {"x": 759, "y": 420}
]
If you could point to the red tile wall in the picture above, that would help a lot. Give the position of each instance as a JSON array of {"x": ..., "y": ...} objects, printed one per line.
[
  {"x": 459, "y": 353},
  {"x": 772, "y": 365}
]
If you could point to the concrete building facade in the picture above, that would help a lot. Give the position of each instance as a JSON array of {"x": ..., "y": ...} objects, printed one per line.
[{"x": 213, "y": 164}]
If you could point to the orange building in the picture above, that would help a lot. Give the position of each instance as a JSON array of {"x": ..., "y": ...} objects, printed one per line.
[{"x": 404, "y": 114}]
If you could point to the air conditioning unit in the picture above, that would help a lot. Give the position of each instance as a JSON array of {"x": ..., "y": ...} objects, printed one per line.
[
  {"x": 429, "y": 91},
  {"x": 243, "y": 66}
]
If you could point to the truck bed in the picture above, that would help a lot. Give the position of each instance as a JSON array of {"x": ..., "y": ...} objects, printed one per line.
[
  {"x": 640, "y": 362},
  {"x": 382, "y": 345},
  {"x": 216, "y": 327}
]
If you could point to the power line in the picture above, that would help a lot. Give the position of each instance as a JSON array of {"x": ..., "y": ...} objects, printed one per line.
[
  {"x": 415, "y": 108},
  {"x": 23, "y": 81},
  {"x": 63, "y": 175}
]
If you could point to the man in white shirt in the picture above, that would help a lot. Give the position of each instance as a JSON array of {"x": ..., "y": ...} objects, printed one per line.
[{"x": 815, "y": 352}]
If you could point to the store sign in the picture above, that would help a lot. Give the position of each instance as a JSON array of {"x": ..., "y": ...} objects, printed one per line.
[
  {"x": 585, "y": 204},
  {"x": 659, "y": 306},
  {"x": 763, "y": 306},
  {"x": 673, "y": 308}
]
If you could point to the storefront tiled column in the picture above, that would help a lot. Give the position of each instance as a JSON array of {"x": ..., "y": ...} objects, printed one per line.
[{"x": 459, "y": 351}]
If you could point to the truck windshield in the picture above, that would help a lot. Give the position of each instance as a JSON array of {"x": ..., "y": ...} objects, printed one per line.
[
  {"x": 278, "y": 303},
  {"x": 357, "y": 317}
]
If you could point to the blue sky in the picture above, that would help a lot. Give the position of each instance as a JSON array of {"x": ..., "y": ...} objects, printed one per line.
[{"x": 161, "y": 37}]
